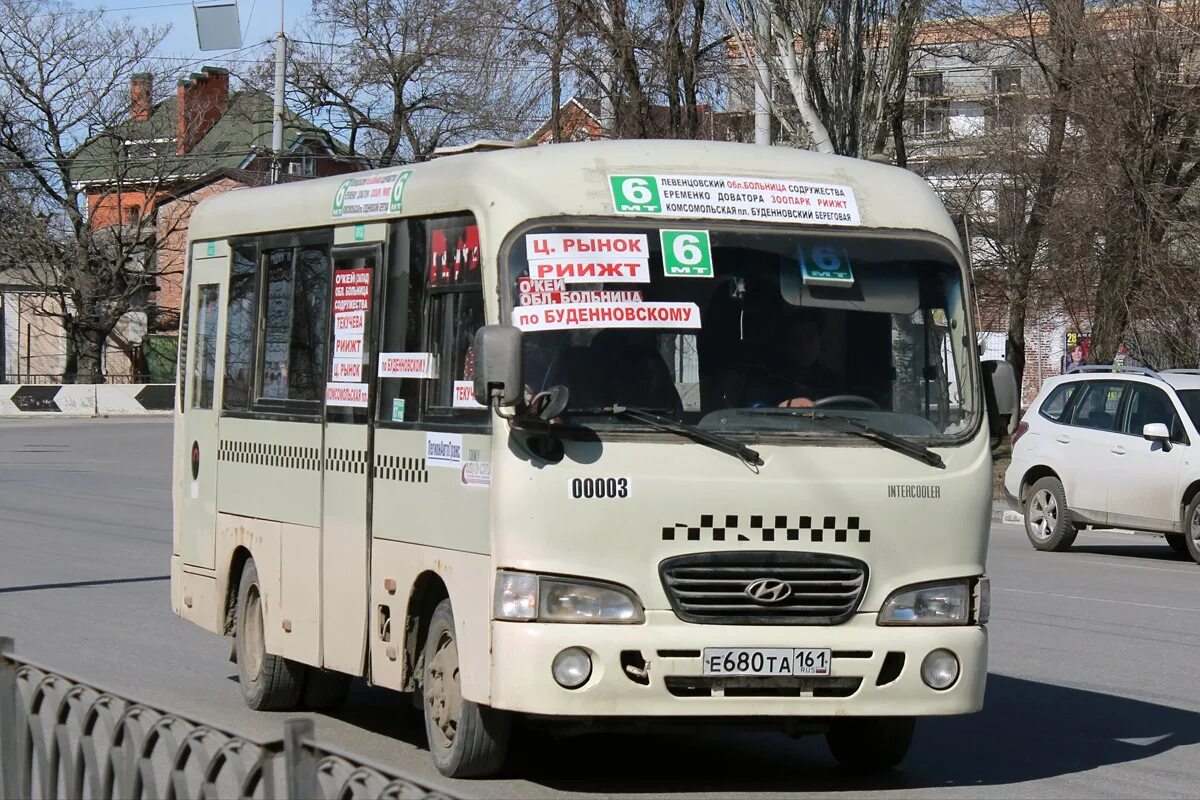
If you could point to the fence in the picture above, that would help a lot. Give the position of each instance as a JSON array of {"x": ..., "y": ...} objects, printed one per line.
[{"x": 62, "y": 737}]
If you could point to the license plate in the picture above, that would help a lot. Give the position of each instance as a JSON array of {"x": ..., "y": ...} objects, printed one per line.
[{"x": 766, "y": 661}]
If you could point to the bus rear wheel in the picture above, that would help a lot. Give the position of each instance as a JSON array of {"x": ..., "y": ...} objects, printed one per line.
[
  {"x": 466, "y": 740},
  {"x": 269, "y": 683},
  {"x": 870, "y": 744}
]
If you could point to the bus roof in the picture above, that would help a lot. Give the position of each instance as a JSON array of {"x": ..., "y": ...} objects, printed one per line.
[{"x": 511, "y": 186}]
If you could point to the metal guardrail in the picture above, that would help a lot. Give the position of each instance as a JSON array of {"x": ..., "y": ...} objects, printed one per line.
[{"x": 63, "y": 737}]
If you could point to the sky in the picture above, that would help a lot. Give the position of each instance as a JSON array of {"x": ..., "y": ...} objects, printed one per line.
[{"x": 259, "y": 21}]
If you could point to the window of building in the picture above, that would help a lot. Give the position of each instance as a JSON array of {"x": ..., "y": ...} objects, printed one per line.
[
  {"x": 931, "y": 102},
  {"x": 1006, "y": 80},
  {"x": 1004, "y": 110}
]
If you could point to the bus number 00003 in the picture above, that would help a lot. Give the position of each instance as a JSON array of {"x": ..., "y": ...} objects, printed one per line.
[{"x": 601, "y": 488}]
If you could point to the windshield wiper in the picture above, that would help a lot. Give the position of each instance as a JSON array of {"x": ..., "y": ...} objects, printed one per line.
[
  {"x": 908, "y": 448},
  {"x": 713, "y": 440}
]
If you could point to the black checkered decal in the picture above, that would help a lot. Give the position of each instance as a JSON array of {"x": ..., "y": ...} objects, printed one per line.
[
  {"x": 401, "y": 468},
  {"x": 342, "y": 459},
  {"x": 769, "y": 529},
  {"x": 263, "y": 454}
]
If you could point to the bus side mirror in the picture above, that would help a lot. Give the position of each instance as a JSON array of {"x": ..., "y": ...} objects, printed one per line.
[
  {"x": 498, "y": 365},
  {"x": 1000, "y": 395}
]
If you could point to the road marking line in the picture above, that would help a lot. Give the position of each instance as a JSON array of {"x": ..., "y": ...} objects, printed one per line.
[
  {"x": 1096, "y": 600},
  {"x": 1107, "y": 561}
]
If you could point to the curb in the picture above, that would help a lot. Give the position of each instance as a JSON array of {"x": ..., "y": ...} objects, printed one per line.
[{"x": 1002, "y": 513}]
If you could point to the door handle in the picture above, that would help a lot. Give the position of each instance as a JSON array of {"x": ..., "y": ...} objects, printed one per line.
[
  {"x": 1062, "y": 438},
  {"x": 1118, "y": 450}
]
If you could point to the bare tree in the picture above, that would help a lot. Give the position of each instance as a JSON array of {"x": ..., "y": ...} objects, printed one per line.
[
  {"x": 844, "y": 63},
  {"x": 655, "y": 66},
  {"x": 1029, "y": 161},
  {"x": 64, "y": 80},
  {"x": 1139, "y": 108},
  {"x": 400, "y": 78}
]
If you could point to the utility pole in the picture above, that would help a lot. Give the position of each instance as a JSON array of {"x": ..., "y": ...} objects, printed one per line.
[
  {"x": 762, "y": 102},
  {"x": 277, "y": 116},
  {"x": 608, "y": 80}
]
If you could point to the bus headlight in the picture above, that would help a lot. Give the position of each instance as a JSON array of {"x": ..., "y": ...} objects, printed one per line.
[
  {"x": 522, "y": 596},
  {"x": 943, "y": 603}
]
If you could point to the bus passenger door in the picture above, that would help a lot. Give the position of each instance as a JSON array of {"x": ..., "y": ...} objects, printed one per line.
[
  {"x": 345, "y": 517},
  {"x": 196, "y": 481}
]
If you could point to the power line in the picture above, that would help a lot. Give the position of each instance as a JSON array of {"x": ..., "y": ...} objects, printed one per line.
[{"x": 103, "y": 10}]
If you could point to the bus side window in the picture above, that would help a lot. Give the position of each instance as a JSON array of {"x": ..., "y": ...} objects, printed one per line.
[
  {"x": 239, "y": 327},
  {"x": 296, "y": 307},
  {"x": 404, "y": 294},
  {"x": 454, "y": 313},
  {"x": 205, "y": 364}
]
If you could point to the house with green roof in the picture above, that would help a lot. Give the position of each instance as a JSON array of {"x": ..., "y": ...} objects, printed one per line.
[{"x": 150, "y": 171}]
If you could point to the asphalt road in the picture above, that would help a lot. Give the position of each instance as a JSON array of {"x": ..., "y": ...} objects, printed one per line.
[{"x": 1093, "y": 689}]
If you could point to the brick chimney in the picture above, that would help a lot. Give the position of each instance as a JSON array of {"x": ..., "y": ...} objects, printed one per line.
[
  {"x": 203, "y": 98},
  {"x": 141, "y": 92}
]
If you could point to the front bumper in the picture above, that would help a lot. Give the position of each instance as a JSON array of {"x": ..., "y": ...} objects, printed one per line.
[{"x": 522, "y": 653}]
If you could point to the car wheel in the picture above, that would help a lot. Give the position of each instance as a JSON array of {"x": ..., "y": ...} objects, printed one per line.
[
  {"x": 466, "y": 740},
  {"x": 1191, "y": 539},
  {"x": 1047, "y": 523},
  {"x": 269, "y": 683},
  {"x": 870, "y": 744},
  {"x": 1178, "y": 542}
]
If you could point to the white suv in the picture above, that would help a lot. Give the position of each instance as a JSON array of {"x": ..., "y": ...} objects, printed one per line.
[{"x": 1110, "y": 447}]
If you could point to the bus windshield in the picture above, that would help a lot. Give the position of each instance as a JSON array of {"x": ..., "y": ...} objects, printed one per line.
[{"x": 736, "y": 329}]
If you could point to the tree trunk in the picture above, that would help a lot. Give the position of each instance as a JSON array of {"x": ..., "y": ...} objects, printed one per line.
[
  {"x": 88, "y": 346},
  {"x": 1064, "y": 25}
]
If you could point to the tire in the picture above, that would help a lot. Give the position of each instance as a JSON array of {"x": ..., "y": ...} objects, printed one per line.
[
  {"x": 1047, "y": 523},
  {"x": 870, "y": 744},
  {"x": 466, "y": 740},
  {"x": 325, "y": 689},
  {"x": 1178, "y": 543},
  {"x": 269, "y": 683},
  {"x": 1191, "y": 539}
]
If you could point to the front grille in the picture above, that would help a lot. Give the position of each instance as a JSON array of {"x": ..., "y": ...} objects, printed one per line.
[{"x": 712, "y": 587}]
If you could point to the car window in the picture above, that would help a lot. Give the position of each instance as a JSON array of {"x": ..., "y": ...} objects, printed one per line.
[
  {"x": 1149, "y": 404},
  {"x": 1097, "y": 405},
  {"x": 1056, "y": 404},
  {"x": 1191, "y": 404}
]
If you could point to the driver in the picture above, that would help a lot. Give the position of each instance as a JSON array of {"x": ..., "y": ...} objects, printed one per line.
[{"x": 798, "y": 377}]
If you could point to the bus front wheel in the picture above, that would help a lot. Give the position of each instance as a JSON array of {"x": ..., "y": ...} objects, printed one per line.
[
  {"x": 870, "y": 744},
  {"x": 467, "y": 740},
  {"x": 269, "y": 683}
]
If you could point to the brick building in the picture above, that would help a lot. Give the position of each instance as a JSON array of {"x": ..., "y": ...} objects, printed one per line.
[{"x": 149, "y": 172}]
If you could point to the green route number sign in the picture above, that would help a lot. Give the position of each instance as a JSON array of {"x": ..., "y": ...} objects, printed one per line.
[
  {"x": 635, "y": 194},
  {"x": 686, "y": 254}
]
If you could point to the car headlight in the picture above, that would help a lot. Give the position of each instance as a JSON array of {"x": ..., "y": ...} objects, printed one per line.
[
  {"x": 522, "y": 596},
  {"x": 943, "y": 603}
]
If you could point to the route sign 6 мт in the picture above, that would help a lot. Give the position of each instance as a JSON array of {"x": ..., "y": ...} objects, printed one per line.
[
  {"x": 686, "y": 254},
  {"x": 635, "y": 194}
]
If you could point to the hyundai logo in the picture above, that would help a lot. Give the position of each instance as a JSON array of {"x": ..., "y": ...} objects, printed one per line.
[{"x": 768, "y": 591}]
